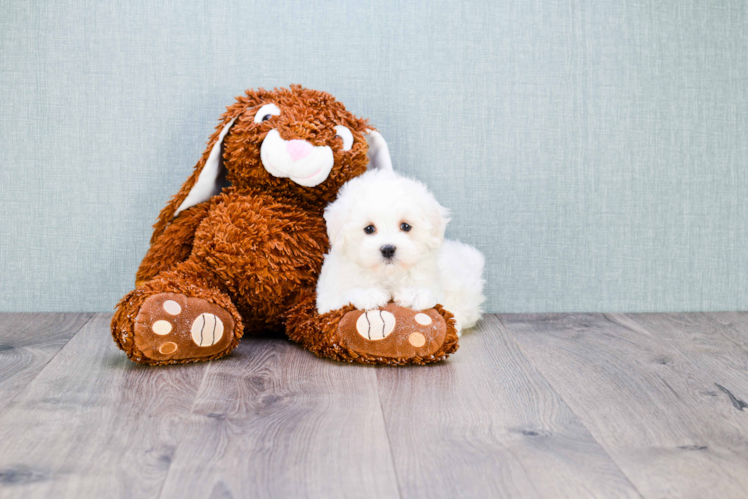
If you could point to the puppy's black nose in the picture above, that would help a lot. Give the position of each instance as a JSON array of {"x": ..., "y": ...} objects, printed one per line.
[{"x": 388, "y": 251}]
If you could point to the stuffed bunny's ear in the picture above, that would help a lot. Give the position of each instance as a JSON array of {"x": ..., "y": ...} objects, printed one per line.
[
  {"x": 379, "y": 153},
  {"x": 211, "y": 180}
]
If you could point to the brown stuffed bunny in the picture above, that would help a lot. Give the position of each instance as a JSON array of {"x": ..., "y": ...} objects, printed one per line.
[{"x": 240, "y": 246}]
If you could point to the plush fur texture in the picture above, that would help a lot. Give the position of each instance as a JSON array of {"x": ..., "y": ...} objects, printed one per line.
[
  {"x": 256, "y": 248},
  {"x": 387, "y": 235}
]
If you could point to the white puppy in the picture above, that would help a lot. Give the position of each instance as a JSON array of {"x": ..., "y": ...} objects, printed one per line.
[{"x": 387, "y": 243}]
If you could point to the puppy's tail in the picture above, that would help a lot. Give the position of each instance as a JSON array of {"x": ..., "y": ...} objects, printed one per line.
[{"x": 461, "y": 268}]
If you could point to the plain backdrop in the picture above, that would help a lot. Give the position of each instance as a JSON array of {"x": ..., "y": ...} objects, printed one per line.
[{"x": 595, "y": 151}]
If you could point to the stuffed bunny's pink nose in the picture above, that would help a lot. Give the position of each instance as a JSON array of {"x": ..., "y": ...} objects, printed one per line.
[{"x": 298, "y": 149}]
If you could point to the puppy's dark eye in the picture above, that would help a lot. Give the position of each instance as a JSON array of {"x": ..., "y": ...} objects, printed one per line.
[
  {"x": 369, "y": 229},
  {"x": 266, "y": 117},
  {"x": 405, "y": 227}
]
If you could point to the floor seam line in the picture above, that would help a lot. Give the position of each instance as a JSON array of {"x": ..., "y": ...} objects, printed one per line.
[
  {"x": 387, "y": 433},
  {"x": 188, "y": 418}
]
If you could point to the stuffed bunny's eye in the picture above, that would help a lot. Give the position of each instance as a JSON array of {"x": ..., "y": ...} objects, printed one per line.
[
  {"x": 345, "y": 134},
  {"x": 266, "y": 112}
]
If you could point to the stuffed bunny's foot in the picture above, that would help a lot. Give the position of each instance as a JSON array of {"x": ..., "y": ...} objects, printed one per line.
[
  {"x": 390, "y": 335},
  {"x": 396, "y": 335},
  {"x": 172, "y": 326}
]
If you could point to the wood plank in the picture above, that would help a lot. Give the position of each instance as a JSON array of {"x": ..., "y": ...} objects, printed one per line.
[
  {"x": 94, "y": 424},
  {"x": 648, "y": 404},
  {"x": 712, "y": 345},
  {"x": 734, "y": 326},
  {"x": 487, "y": 424},
  {"x": 27, "y": 342},
  {"x": 275, "y": 421}
]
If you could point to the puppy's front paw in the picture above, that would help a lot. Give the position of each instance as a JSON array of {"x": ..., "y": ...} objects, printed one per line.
[
  {"x": 417, "y": 299},
  {"x": 367, "y": 299}
]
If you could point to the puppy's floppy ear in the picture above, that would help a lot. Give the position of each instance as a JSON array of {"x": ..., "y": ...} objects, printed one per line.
[
  {"x": 438, "y": 218},
  {"x": 207, "y": 179},
  {"x": 379, "y": 153},
  {"x": 336, "y": 214}
]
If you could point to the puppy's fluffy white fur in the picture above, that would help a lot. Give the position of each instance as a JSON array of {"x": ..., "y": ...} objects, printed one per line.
[{"x": 424, "y": 270}]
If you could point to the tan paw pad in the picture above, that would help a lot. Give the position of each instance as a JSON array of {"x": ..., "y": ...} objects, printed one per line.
[
  {"x": 172, "y": 307},
  {"x": 207, "y": 330},
  {"x": 161, "y": 327},
  {"x": 416, "y": 339},
  {"x": 167, "y": 348},
  {"x": 375, "y": 325},
  {"x": 423, "y": 319}
]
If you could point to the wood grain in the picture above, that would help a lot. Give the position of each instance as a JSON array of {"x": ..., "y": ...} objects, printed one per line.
[
  {"x": 275, "y": 421},
  {"x": 487, "y": 424},
  {"x": 540, "y": 405},
  {"x": 651, "y": 407},
  {"x": 27, "y": 342},
  {"x": 93, "y": 424},
  {"x": 734, "y": 326},
  {"x": 712, "y": 345}
]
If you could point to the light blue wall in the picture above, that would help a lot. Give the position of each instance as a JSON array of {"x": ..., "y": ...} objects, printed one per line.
[{"x": 595, "y": 151}]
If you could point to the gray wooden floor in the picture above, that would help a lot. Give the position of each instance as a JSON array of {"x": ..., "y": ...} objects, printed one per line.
[{"x": 577, "y": 405}]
